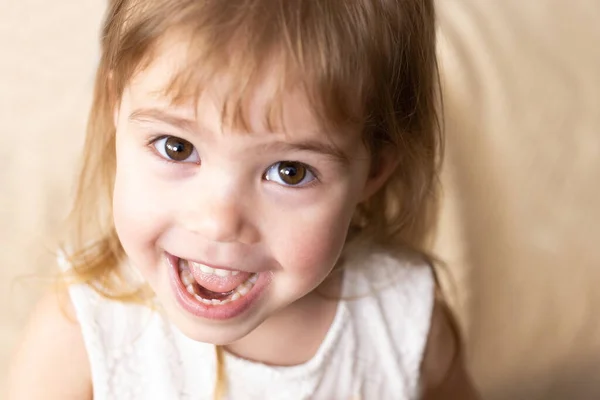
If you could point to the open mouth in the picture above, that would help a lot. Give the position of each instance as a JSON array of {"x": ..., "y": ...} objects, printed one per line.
[
  {"x": 214, "y": 286},
  {"x": 215, "y": 293}
]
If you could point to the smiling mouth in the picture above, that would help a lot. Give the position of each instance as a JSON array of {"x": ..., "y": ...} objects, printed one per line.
[{"x": 213, "y": 286}]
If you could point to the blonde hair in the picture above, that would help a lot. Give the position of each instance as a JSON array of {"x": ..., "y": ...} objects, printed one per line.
[
  {"x": 369, "y": 63},
  {"x": 366, "y": 63}
]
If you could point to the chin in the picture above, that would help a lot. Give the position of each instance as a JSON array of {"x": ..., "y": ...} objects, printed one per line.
[{"x": 219, "y": 333}]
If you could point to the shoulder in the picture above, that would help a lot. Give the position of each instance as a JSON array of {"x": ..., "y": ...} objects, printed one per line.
[
  {"x": 395, "y": 292},
  {"x": 386, "y": 271},
  {"x": 401, "y": 283},
  {"x": 443, "y": 373},
  {"x": 51, "y": 354}
]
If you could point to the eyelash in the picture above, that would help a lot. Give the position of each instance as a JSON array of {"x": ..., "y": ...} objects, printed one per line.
[
  {"x": 151, "y": 148},
  {"x": 308, "y": 185}
]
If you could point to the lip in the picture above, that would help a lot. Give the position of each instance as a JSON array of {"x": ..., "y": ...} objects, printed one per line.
[{"x": 217, "y": 312}]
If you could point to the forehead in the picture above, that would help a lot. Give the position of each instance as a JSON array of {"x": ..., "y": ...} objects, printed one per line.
[{"x": 271, "y": 102}]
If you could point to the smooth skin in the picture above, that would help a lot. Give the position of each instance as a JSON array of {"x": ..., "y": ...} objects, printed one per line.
[{"x": 252, "y": 235}]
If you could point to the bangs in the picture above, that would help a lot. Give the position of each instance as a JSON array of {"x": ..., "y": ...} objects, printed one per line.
[
  {"x": 365, "y": 64},
  {"x": 304, "y": 45}
]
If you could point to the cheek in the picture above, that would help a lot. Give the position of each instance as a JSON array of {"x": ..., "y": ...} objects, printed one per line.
[
  {"x": 136, "y": 197},
  {"x": 309, "y": 240},
  {"x": 308, "y": 244}
]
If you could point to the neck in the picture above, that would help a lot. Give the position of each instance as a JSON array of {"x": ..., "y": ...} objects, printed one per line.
[{"x": 293, "y": 335}]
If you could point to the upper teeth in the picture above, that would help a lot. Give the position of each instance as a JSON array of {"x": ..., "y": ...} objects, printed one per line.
[{"x": 212, "y": 271}]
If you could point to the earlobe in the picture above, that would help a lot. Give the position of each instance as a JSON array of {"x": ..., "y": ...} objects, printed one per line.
[{"x": 382, "y": 167}]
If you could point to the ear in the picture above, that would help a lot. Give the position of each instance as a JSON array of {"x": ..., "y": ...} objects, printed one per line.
[{"x": 383, "y": 164}]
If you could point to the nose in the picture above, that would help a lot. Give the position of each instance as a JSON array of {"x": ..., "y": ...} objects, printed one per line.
[{"x": 219, "y": 212}]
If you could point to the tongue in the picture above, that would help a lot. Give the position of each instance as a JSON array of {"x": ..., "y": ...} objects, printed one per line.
[{"x": 218, "y": 284}]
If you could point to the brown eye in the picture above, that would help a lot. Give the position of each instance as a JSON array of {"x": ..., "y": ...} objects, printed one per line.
[
  {"x": 292, "y": 173},
  {"x": 176, "y": 149},
  {"x": 289, "y": 173}
]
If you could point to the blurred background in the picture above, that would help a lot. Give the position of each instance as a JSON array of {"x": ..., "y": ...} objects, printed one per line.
[{"x": 520, "y": 222}]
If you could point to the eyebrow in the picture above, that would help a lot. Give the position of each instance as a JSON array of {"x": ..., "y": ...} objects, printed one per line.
[
  {"x": 315, "y": 146},
  {"x": 155, "y": 114}
]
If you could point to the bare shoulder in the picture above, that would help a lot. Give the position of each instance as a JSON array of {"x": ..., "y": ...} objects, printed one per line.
[
  {"x": 51, "y": 361},
  {"x": 443, "y": 374}
]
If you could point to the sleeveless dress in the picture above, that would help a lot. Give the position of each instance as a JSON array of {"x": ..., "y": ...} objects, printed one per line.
[{"x": 373, "y": 349}]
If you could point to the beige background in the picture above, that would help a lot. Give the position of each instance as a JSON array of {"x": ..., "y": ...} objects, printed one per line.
[{"x": 520, "y": 224}]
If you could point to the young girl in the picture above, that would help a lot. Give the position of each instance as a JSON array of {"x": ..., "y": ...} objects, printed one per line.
[{"x": 256, "y": 187}]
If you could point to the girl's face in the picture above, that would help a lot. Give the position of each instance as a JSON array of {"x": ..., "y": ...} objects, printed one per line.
[{"x": 250, "y": 222}]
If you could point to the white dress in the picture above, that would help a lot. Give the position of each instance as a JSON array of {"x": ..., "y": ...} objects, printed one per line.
[{"x": 373, "y": 349}]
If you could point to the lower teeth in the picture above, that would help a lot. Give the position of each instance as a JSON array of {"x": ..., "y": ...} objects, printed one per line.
[{"x": 191, "y": 286}]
